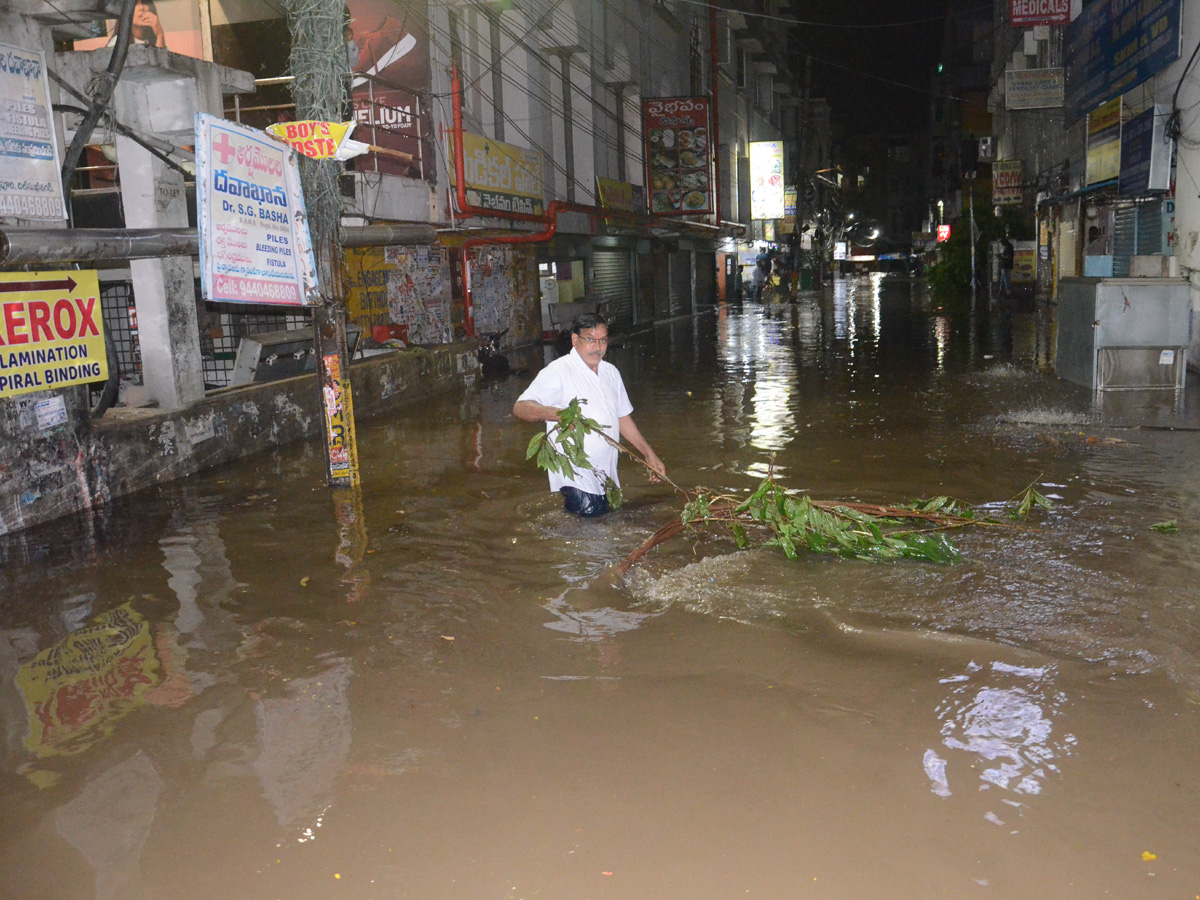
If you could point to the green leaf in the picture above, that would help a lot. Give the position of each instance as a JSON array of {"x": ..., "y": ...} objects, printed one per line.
[{"x": 1168, "y": 527}]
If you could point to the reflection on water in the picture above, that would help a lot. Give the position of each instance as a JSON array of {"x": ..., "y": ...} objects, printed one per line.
[
  {"x": 1000, "y": 720},
  {"x": 304, "y": 737},
  {"x": 77, "y": 690}
]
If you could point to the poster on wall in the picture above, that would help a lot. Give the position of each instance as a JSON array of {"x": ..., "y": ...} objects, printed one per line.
[
  {"x": 388, "y": 50},
  {"x": 766, "y": 180},
  {"x": 51, "y": 331},
  {"x": 418, "y": 293},
  {"x": 504, "y": 291},
  {"x": 30, "y": 183},
  {"x": 678, "y": 158},
  {"x": 254, "y": 239}
]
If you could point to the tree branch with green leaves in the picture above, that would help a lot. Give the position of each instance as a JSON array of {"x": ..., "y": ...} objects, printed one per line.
[{"x": 772, "y": 516}]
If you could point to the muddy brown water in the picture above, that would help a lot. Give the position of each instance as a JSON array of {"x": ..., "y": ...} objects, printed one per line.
[{"x": 244, "y": 686}]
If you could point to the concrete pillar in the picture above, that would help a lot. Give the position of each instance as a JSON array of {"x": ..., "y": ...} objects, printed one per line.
[{"x": 152, "y": 195}]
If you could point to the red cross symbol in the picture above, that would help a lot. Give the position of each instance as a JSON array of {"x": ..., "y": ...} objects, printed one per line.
[{"x": 223, "y": 148}]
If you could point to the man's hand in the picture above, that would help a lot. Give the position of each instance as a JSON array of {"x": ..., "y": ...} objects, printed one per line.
[
  {"x": 656, "y": 464},
  {"x": 529, "y": 411}
]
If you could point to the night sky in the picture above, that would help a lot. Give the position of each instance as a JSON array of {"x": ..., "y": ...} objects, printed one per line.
[{"x": 846, "y": 58}]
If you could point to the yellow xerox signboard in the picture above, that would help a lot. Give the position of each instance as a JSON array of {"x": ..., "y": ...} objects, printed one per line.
[{"x": 51, "y": 331}]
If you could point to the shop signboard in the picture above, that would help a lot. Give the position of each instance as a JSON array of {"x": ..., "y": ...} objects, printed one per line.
[
  {"x": 51, "y": 331},
  {"x": 789, "y": 200},
  {"x": 614, "y": 194},
  {"x": 1115, "y": 45},
  {"x": 1007, "y": 189},
  {"x": 1033, "y": 89},
  {"x": 254, "y": 238},
  {"x": 1145, "y": 153},
  {"x": 1024, "y": 13},
  {"x": 678, "y": 155},
  {"x": 943, "y": 233},
  {"x": 1104, "y": 142},
  {"x": 502, "y": 176},
  {"x": 766, "y": 180},
  {"x": 30, "y": 171}
]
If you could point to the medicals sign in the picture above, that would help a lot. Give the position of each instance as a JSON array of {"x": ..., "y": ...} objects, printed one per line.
[
  {"x": 254, "y": 239},
  {"x": 1023, "y": 13},
  {"x": 51, "y": 331},
  {"x": 30, "y": 177}
]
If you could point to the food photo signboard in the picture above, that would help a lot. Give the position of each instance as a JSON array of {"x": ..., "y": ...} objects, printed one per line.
[{"x": 678, "y": 160}]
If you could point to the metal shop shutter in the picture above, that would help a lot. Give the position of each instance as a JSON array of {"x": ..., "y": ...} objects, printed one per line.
[
  {"x": 612, "y": 281},
  {"x": 706, "y": 279},
  {"x": 662, "y": 285},
  {"x": 1137, "y": 231},
  {"x": 681, "y": 282},
  {"x": 1149, "y": 228},
  {"x": 1124, "y": 239}
]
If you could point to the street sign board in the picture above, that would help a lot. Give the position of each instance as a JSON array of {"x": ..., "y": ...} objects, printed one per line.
[
  {"x": 30, "y": 177},
  {"x": 51, "y": 331}
]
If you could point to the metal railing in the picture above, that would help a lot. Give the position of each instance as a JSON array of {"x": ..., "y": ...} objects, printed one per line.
[{"x": 409, "y": 122}]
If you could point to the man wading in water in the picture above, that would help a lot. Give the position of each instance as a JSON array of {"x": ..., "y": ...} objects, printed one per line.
[{"x": 584, "y": 374}]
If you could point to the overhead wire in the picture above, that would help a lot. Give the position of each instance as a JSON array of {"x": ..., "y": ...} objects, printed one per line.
[{"x": 549, "y": 99}]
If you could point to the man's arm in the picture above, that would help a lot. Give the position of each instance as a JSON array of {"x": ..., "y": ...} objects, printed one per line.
[
  {"x": 630, "y": 432},
  {"x": 531, "y": 411}
]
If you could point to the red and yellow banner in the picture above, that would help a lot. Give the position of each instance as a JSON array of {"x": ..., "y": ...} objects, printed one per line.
[{"x": 319, "y": 140}]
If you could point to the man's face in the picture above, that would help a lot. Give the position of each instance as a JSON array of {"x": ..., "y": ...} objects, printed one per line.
[{"x": 591, "y": 344}]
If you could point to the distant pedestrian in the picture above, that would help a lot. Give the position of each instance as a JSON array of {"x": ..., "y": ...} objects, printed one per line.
[{"x": 1006, "y": 266}]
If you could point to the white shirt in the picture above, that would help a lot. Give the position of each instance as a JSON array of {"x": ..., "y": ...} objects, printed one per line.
[{"x": 568, "y": 378}]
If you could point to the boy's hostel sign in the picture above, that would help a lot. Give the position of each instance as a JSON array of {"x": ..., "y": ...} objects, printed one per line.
[
  {"x": 254, "y": 239},
  {"x": 30, "y": 178},
  {"x": 51, "y": 331}
]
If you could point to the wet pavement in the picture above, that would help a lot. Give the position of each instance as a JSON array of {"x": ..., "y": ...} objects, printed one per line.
[{"x": 244, "y": 685}]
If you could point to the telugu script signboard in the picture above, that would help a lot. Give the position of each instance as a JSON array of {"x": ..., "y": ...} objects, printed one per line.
[
  {"x": 678, "y": 160},
  {"x": 30, "y": 180},
  {"x": 51, "y": 331},
  {"x": 501, "y": 176},
  {"x": 766, "y": 180},
  {"x": 254, "y": 240}
]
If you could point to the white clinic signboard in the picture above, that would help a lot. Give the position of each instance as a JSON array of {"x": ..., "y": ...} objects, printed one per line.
[
  {"x": 30, "y": 170},
  {"x": 254, "y": 240}
]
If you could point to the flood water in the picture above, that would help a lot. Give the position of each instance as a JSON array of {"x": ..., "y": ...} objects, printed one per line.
[{"x": 247, "y": 686}]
